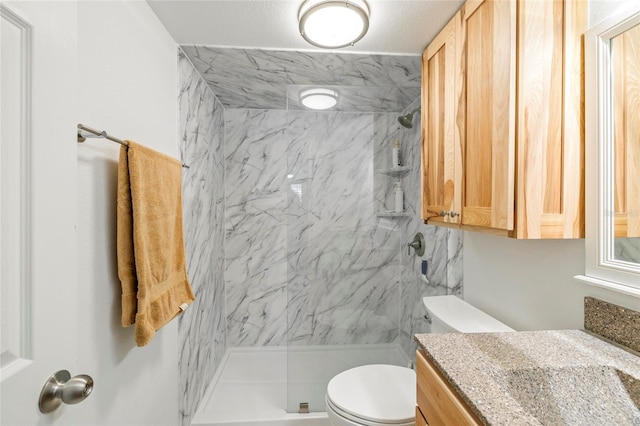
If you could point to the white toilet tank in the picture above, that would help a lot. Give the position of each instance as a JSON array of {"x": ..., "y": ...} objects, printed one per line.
[{"x": 450, "y": 314}]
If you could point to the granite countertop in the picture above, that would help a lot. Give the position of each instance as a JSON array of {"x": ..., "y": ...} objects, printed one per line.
[{"x": 564, "y": 377}]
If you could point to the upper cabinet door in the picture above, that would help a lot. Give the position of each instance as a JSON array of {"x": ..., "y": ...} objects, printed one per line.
[
  {"x": 510, "y": 157},
  {"x": 486, "y": 112},
  {"x": 550, "y": 109},
  {"x": 441, "y": 156}
]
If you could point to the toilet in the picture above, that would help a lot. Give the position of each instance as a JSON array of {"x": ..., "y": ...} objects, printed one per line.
[{"x": 385, "y": 395}]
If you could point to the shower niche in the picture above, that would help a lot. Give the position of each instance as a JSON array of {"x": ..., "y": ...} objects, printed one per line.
[{"x": 392, "y": 174}]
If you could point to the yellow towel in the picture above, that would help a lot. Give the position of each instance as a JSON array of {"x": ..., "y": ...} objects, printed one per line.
[{"x": 151, "y": 257}]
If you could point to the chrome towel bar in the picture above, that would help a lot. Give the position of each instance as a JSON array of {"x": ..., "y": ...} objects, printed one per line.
[{"x": 85, "y": 132}]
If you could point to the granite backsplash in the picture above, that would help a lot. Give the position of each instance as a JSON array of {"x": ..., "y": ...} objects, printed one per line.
[{"x": 613, "y": 322}]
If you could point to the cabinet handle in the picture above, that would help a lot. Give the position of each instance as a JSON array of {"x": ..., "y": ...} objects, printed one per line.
[
  {"x": 453, "y": 214},
  {"x": 443, "y": 213}
]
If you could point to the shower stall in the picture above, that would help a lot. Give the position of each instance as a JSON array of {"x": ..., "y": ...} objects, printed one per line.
[
  {"x": 343, "y": 266},
  {"x": 316, "y": 274},
  {"x": 313, "y": 260}
]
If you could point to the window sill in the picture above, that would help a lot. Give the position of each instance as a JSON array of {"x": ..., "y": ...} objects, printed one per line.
[{"x": 619, "y": 288}]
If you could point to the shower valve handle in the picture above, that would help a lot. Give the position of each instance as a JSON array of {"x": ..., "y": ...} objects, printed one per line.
[{"x": 417, "y": 244}]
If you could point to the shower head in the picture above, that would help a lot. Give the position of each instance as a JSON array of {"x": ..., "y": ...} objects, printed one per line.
[{"x": 407, "y": 120}]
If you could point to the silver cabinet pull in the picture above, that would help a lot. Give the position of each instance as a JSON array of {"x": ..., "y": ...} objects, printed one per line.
[
  {"x": 453, "y": 214},
  {"x": 61, "y": 387}
]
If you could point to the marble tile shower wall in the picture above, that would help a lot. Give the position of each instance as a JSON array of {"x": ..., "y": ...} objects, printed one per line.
[
  {"x": 202, "y": 327},
  {"x": 255, "y": 228},
  {"x": 342, "y": 266},
  {"x": 307, "y": 262},
  {"x": 443, "y": 250}
]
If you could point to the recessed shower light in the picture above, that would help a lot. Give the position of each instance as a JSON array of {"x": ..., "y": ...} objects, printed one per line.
[
  {"x": 332, "y": 24},
  {"x": 319, "y": 98}
]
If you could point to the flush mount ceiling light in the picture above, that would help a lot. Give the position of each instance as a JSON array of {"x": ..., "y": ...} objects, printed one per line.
[
  {"x": 333, "y": 24},
  {"x": 319, "y": 98}
]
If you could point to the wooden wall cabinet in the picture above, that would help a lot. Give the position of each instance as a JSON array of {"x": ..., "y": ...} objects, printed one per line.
[
  {"x": 441, "y": 156},
  {"x": 438, "y": 403},
  {"x": 517, "y": 135}
]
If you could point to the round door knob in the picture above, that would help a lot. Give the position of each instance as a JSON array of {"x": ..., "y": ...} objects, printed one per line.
[
  {"x": 62, "y": 388},
  {"x": 77, "y": 389}
]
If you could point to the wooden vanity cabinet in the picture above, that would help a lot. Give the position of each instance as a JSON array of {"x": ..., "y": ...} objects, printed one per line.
[
  {"x": 420, "y": 420},
  {"x": 517, "y": 136},
  {"x": 438, "y": 403}
]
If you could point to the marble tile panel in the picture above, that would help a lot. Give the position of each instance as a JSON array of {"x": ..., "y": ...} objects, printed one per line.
[
  {"x": 340, "y": 278},
  {"x": 443, "y": 250},
  {"x": 340, "y": 288},
  {"x": 454, "y": 263},
  {"x": 307, "y": 259},
  {"x": 253, "y": 78},
  {"x": 333, "y": 161},
  {"x": 255, "y": 229},
  {"x": 386, "y": 129},
  {"x": 202, "y": 327}
]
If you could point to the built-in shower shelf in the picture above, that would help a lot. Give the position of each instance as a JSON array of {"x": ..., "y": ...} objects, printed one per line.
[
  {"x": 396, "y": 171},
  {"x": 403, "y": 214}
]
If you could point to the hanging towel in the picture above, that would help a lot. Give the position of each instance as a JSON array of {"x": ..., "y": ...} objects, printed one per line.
[{"x": 151, "y": 257}]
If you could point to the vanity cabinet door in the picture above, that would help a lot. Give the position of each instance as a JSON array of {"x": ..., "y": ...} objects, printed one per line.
[
  {"x": 437, "y": 400},
  {"x": 420, "y": 420},
  {"x": 486, "y": 112},
  {"x": 441, "y": 156}
]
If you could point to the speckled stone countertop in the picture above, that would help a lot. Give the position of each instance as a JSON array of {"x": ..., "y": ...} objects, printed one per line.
[{"x": 564, "y": 377}]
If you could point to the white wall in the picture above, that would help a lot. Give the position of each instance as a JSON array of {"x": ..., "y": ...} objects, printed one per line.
[
  {"x": 529, "y": 284},
  {"x": 127, "y": 67}
]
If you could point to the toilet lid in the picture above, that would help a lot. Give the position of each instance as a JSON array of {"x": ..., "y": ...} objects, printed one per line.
[{"x": 378, "y": 393}]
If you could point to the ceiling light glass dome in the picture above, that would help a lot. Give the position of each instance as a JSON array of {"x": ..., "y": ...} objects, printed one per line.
[
  {"x": 319, "y": 98},
  {"x": 333, "y": 24}
]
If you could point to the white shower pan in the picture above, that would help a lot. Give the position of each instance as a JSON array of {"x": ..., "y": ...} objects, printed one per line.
[{"x": 250, "y": 386}]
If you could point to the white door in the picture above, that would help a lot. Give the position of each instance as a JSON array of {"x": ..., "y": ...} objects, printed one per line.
[{"x": 37, "y": 204}]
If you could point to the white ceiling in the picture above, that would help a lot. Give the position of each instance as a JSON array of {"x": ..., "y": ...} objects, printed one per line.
[{"x": 397, "y": 27}]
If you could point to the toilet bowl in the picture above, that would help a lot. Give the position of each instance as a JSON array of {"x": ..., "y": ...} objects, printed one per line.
[
  {"x": 384, "y": 395},
  {"x": 372, "y": 395}
]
